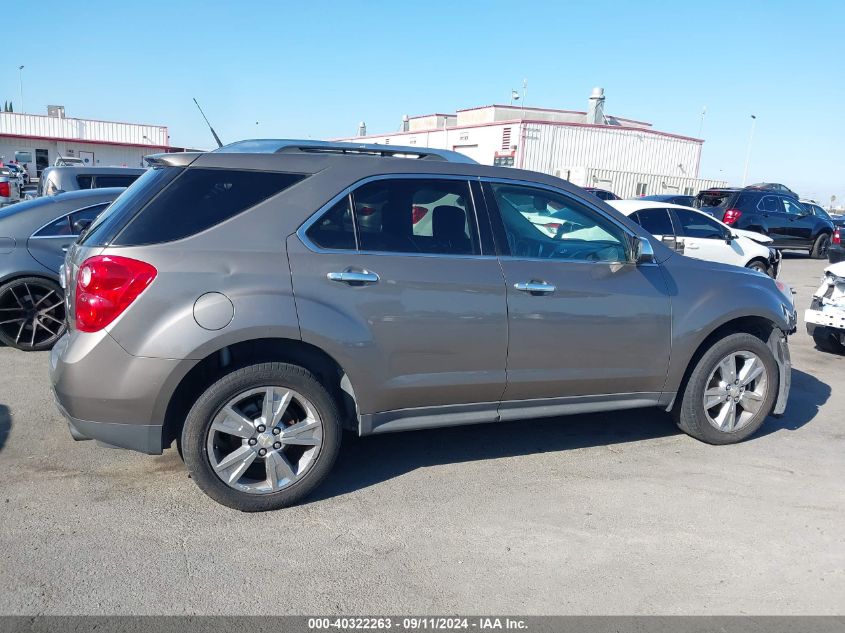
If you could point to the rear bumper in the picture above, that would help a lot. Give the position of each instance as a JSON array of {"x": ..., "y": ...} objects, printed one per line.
[{"x": 109, "y": 395}]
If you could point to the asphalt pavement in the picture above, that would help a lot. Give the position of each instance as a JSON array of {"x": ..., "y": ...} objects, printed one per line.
[{"x": 614, "y": 513}]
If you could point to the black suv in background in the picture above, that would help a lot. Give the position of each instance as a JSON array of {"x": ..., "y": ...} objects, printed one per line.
[{"x": 779, "y": 215}]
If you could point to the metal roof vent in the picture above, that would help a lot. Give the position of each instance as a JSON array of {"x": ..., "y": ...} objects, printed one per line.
[
  {"x": 406, "y": 123},
  {"x": 56, "y": 111},
  {"x": 595, "y": 111},
  {"x": 362, "y": 129}
]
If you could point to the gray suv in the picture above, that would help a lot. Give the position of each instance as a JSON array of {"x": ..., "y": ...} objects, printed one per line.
[{"x": 251, "y": 302}]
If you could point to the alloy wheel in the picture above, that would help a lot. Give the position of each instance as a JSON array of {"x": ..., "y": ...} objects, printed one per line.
[
  {"x": 735, "y": 391},
  {"x": 264, "y": 440},
  {"x": 31, "y": 315}
]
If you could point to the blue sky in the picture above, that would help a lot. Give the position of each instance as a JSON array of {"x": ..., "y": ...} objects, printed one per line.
[{"x": 300, "y": 69}]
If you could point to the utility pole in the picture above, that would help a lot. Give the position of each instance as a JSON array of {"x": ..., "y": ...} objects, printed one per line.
[
  {"x": 701, "y": 123},
  {"x": 748, "y": 154},
  {"x": 20, "y": 86}
]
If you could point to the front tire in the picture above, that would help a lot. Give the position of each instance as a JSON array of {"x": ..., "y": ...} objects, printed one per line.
[
  {"x": 826, "y": 341},
  {"x": 759, "y": 266},
  {"x": 820, "y": 247},
  {"x": 730, "y": 391},
  {"x": 262, "y": 437}
]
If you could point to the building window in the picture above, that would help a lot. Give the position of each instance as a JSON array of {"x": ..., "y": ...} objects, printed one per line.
[
  {"x": 688, "y": 191},
  {"x": 464, "y": 136},
  {"x": 506, "y": 139},
  {"x": 413, "y": 141},
  {"x": 387, "y": 141},
  {"x": 642, "y": 188}
]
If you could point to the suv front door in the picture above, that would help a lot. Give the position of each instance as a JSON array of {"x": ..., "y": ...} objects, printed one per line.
[
  {"x": 802, "y": 222},
  {"x": 391, "y": 280},
  {"x": 586, "y": 325},
  {"x": 775, "y": 220}
]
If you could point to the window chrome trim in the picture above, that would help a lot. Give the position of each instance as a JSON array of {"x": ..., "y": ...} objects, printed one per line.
[
  {"x": 68, "y": 214},
  {"x": 302, "y": 231}
]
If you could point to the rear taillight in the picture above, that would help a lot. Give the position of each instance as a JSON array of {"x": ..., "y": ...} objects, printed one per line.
[
  {"x": 5, "y": 190},
  {"x": 837, "y": 238},
  {"x": 731, "y": 216},
  {"x": 105, "y": 286},
  {"x": 417, "y": 213}
]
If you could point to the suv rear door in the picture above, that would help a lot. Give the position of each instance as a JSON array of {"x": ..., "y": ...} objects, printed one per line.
[
  {"x": 392, "y": 280},
  {"x": 586, "y": 326}
]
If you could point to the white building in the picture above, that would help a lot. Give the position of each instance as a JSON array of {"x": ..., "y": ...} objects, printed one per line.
[
  {"x": 590, "y": 149},
  {"x": 36, "y": 140}
]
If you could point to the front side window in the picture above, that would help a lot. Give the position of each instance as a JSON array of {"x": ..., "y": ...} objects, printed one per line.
[
  {"x": 655, "y": 221},
  {"x": 692, "y": 224},
  {"x": 543, "y": 224},
  {"x": 792, "y": 207},
  {"x": 817, "y": 210},
  {"x": 415, "y": 215},
  {"x": 64, "y": 225}
]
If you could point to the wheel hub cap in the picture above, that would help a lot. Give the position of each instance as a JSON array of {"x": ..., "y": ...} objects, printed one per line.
[
  {"x": 259, "y": 461},
  {"x": 735, "y": 391}
]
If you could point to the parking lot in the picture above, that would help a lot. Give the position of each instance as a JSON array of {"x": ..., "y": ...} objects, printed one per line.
[{"x": 613, "y": 513}]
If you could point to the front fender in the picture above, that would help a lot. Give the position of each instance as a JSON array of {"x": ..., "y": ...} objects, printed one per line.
[{"x": 707, "y": 297}]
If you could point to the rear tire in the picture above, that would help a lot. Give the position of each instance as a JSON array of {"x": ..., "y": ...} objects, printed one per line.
[
  {"x": 820, "y": 247},
  {"x": 826, "y": 341},
  {"x": 690, "y": 411},
  {"x": 232, "y": 434}
]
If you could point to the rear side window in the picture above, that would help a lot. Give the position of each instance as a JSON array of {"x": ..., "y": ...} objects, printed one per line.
[
  {"x": 415, "y": 216},
  {"x": 770, "y": 204},
  {"x": 109, "y": 223},
  {"x": 84, "y": 182},
  {"x": 199, "y": 199},
  {"x": 335, "y": 228},
  {"x": 115, "y": 181}
]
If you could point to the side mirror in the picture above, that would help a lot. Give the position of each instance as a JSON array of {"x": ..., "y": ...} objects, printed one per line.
[
  {"x": 642, "y": 253},
  {"x": 81, "y": 225}
]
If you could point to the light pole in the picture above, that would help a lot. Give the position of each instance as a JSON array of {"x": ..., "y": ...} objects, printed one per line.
[
  {"x": 748, "y": 154},
  {"x": 20, "y": 86}
]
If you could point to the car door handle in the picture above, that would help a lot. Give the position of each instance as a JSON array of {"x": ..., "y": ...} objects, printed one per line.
[
  {"x": 354, "y": 277},
  {"x": 691, "y": 245},
  {"x": 534, "y": 287},
  {"x": 65, "y": 247}
]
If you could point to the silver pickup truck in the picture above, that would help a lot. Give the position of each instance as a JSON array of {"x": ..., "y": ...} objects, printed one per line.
[{"x": 10, "y": 190}]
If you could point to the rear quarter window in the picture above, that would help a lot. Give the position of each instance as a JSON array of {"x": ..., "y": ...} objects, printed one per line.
[{"x": 199, "y": 199}]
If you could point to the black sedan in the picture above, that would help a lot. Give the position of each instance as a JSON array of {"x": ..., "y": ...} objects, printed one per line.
[{"x": 34, "y": 236}]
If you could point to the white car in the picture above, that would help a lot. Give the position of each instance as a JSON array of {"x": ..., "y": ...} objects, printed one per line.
[
  {"x": 696, "y": 234},
  {"x": 826, "y": 317}
]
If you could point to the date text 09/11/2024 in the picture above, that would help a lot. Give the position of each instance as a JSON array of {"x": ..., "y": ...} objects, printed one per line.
[{"x": 416, "y": 623}]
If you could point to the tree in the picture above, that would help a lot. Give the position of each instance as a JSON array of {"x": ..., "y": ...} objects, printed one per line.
[{"x": 11, "y": 107}]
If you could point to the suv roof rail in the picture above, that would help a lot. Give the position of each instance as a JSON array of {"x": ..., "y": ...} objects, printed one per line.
[{"x": 285, "y": 146}]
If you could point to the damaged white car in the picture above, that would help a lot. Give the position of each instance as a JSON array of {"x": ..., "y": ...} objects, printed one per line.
[{"x": 826, "y": 317}]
